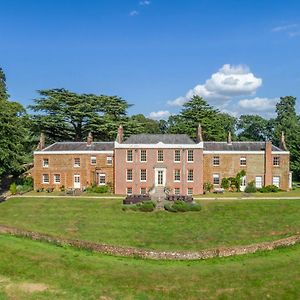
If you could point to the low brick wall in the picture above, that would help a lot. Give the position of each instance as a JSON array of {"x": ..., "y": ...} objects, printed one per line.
[{"x": 153, "y": 254}]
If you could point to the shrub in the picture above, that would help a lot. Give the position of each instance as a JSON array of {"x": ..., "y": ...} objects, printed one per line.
[
  {"x": 27, "y": 181},
  {"x": 181, "y": 206},
  {"x": 13, "y": 188},
  {"x": 145, "y": 206},
  {"x": 99, "y": 189},
  {"x": 269, "y": 189},
  {"x": 62, "y": 188},
  {"x": 225, "y": 184},
  {"x": 251, "y": 188},
  {"x": 207, "y": 186}
]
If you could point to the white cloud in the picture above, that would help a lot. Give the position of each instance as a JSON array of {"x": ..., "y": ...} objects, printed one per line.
[
  {"x": 145, "y": 2},
  {"x": 284, "y": 27},
  {"x": 229, "y": 81},
  {"x": 133, "y": 13},
  {"x": 161, "y": 114},
  {"x": 258, "y": 105}
]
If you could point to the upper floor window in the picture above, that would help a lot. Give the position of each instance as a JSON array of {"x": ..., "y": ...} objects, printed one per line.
[
  {"x": 109, "y": 160},
  {"x": 190, "y": 155},
  {"x": 177, "y": 156},
  {"x": 143, "y": 157},
  {"x": 243, "y": 161},
  {"x": 190, "y": 175},
  {"x": 46, "y": 178},
  {"x": 143, "y": 175},
  {"x": 216, "y": 160},
  {"x": 177, "y": 175},
  {"x": 77, "y": 162},
  {"x": 276, "y": 161},
  {"x": 160, "y": 155},
  {"x": 45, "y": 162},
  {"x": 56, "y": 178},
  {"x": 129, "y": 175},
  {"x": 129, "y": 156},
  {"x": 93, "y": 160}
]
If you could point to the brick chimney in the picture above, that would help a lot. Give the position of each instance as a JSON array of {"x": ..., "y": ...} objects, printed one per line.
[
  {"x": 229, "y": 139},
  {"x": 199, "y": 134},
  {"x": 89, "y": 140},
  {"x": 41, "y": 145},
  {"x": 120, "y": 134},
  {"x": 282, "y": 144},
  {"x": 268, "y": 163}
]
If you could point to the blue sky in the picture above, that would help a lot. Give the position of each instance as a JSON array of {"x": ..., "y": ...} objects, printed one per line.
[{"x": 240, "y": 55}]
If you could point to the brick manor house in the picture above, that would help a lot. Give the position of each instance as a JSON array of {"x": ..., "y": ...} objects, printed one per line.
[{"x": 152, "y": 162}]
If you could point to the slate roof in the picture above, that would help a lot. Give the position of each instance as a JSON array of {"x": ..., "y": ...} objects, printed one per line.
[
  {"x": 237, "y": 146},
  {"x": 80, "y": 146},
  {"x": 156, "y": 138}
]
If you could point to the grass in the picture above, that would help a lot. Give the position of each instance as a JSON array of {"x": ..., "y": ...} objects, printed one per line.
[
  {"x": 218, "y": 224},
  {"x": 66, "y": 273}
]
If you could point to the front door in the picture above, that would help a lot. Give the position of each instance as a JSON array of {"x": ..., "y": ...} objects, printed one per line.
[
  {"x": 243, "y": 183},
  {"x": 160, "y": 177},
  {"x": 76, "y": 181}
]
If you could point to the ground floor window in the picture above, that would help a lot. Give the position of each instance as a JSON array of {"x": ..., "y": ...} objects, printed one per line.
[
  {"x": 56, "y": 178},
  {"x": 129, "y": 191},
  {"x": 216, "y": 178},
  {"x": 46, "y": 178},
  {"x": 190, "y": 191},
  {"x": 177, "y": 191},
  {"x": 276, "y": 181},
  {"x": 258, "y": 182},
  {"x": 143, "y": 191},
  {"x": 102, "y": 179}
]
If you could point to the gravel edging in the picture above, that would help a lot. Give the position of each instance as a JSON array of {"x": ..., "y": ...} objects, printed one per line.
[{"x": 152, "y": 254}]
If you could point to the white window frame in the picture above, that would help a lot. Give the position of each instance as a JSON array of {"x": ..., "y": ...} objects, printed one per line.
[
  {"x": 43, "y": 178},
  {"x": 190, "y": 172},
  {"x": 215, "y": 175},
  {"x": 216, "y": 158},
  {"x": 144, "y": 174},
  {"x": 109, "y": 160},
  {"x": 175, "y": 171},
  {"x": 93, "y": 160},
  {"x": 129, "y": 190},
  {"x": 55, "y": 179},
  {"x": 190, "y": 191},
  {"x": 76, "y": 164},
  {"x": 103, "y": 175},
  {"x": 259, "y": 186},
  {"x": 45, "y": 165},
  {"x": 141, "y": 191},
  {"x": 176, "y": 153},
  {"x": 127, "y": 155},
  {"x": 244, "y": 160},
  {"x": 176, "y": 191},
  {"x": 190, "y": 158},
  {"x": 273, "y": 181},
  {"x": 143, "y": 154},
  {"x": 160, "y": 153},
  {"x": 277, "y": 159},
  {"x": 128, "y": 171}
]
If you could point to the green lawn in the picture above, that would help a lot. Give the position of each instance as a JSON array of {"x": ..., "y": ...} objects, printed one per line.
[
  {"x": 220, "y": 223},
  {"x": 35, "y": 270}
]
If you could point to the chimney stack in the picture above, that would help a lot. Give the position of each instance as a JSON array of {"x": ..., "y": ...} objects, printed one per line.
[
  {"x": 41, "y": 145},
  {"x": 89, "y": 139},
  {"x": 282, "y": 142},
  {"x": 199, "y": 134},
  {"x": 229, "y": 139},
  {"x": 120, "y": 134}
]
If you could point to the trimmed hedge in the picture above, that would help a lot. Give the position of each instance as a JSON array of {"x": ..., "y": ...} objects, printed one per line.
[
  {"x": 269, "y": 189},
  {"x": 146, "y": 206},
  {"x": 100, "y": 189},
  {"x": 182, "y": 206}
]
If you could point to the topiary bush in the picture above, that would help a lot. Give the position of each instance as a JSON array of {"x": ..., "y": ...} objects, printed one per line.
[
  {"x": 99, "y": 189},
  {"x": 13, "y": 188},
  {"x": 269, "y": 189},
  {"x": 182, "y": 206},
  {"x": 250, "y": 188}
]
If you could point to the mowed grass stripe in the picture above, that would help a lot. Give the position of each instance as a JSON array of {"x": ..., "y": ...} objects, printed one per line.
[
  {"x": 218, "y": 224},
  {"x": 74, "y": 274}
]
